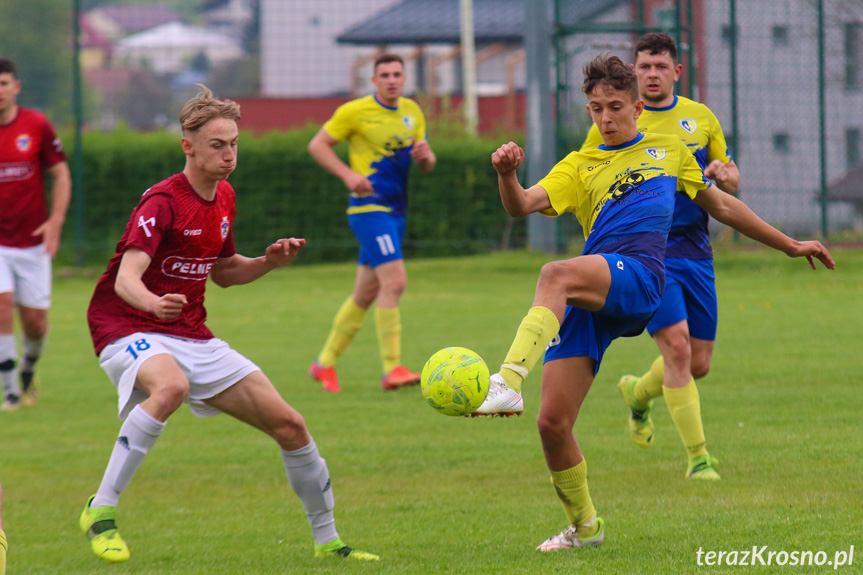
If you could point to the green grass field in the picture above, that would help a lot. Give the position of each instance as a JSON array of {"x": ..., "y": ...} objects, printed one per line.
[{"x": 433, "y": 494}]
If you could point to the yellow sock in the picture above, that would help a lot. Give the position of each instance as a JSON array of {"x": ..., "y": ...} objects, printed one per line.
[
  {"x": 685, "y": 408},
  {"x": 650, "y": 384},
  {"x": 348, "y": 322},
  {"x": 389, "y": 323},
  {"x": 534, "y": 334},
  {"x": 571, "y": 487},
  {"x": 3, "y": 547}
]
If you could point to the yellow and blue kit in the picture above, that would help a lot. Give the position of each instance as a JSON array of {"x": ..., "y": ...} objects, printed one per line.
[
  {"x": 624, "y": 197},
  {"x": 699, "y": 129},
  {"x": 380, "y": 139},
  {"x": 690, "y": 284}
]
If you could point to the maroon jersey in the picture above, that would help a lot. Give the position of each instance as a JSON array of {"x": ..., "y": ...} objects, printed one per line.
[
  {"x": 184, "y": 235},
  {"x": 28, "y": 146}
]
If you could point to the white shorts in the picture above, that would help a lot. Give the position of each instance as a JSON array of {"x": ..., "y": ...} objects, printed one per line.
[
  {"x": 211, "y": 367},
  {"x": 26, "y": 272}
]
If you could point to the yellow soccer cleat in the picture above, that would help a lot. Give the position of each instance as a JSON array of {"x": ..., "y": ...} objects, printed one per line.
[
  {"x": 338, "y": 549},
  {"x": 702, "y": 467},
  {"x": 100, "y": 527},
  {"x": 640, "y": 423}
]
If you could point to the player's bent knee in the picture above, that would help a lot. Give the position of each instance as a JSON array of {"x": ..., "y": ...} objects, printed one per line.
[
  {"x": 290, "y": 430},
  {"x": 171, "y": 393},
  {"x": 553, "y": 429},
  {"x": 700, "y": 368}
]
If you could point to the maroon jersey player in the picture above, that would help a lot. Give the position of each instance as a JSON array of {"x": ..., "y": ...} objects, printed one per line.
[
  {"x": 147, "y": 319},
  {"x": 29, "y": 234}
]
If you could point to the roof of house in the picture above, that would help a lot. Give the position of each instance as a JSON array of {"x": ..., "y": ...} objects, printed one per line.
[
  {"x": 437, "y": 21},
  {"x": 177, "y": 35},
  {"x": 138, "y": 17}
]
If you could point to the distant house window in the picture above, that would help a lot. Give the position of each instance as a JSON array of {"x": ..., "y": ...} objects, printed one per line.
[
  {"x": 853, "y": 54},
  {"x": 780, "y": 35},
  {"x": 727, "y": 34},
  {"x": 781, "y": 143},
  {"x": 853, "y": 147}
]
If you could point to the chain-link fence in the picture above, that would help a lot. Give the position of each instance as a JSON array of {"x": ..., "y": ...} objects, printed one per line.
[{"x": 784, "y": 77}]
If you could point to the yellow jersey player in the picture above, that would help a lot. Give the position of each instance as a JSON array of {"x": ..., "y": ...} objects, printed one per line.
[
  {"x": 684, "y": 326},
  {"x": 385, "y": 132},
  {"x": 623, "y": 194}
]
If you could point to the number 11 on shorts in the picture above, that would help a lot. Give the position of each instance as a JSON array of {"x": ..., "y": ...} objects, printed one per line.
[{"x": 385, "y": 243}]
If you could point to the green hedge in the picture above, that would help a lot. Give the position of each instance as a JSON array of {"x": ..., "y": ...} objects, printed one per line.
[{"x": 282, "y": 192}]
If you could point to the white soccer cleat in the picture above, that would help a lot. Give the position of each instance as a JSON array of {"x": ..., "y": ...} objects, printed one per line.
[
  {"x": 501, "y": 401},
  {"x": 568, "y": 539}
]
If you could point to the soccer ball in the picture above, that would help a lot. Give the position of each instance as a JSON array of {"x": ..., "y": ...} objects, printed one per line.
[{"x": 455, "y": 381}]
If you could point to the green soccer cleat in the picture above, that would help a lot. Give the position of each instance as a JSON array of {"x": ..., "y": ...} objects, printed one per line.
[
  {"x": 338, "y": 549},
  {"x": 640, "y": 423},
  {"x": 98, "y": 524},
  {"x": 703, "y": 467}
]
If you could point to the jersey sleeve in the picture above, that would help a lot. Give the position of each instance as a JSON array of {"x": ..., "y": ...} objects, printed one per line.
[
  {"x": 690, "y": 178},
  {"x": 153, "y": 217},
  {"x": 593, "y": 139},
  {"x": 717, "y": 147},
  {"x": 341, "y": 125},
  {"x": 52, "y": 152},
  {"x": 228, "y": 248},
  {"x": 563, "y": 186}
]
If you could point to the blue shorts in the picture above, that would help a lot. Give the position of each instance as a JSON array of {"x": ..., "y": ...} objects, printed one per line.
[
  {"x": 634, "y": 295},
  {"x": 380, "y": 235},
  {"x": 690, "y": 295}
]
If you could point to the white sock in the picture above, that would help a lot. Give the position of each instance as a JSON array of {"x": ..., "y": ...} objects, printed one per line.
[
  {"x": 31, "y": 351},
  {"x": 8, "y": 359},
  {"x": 310, "y": 479},
  {"x": 137, "y": 435}
]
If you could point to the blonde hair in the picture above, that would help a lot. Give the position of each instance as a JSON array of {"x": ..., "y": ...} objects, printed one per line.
[{"x": 204, "y": 107}]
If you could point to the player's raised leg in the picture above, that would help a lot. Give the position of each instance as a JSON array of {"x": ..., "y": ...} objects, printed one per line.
[
  {"x": 565, "y": 384},
  {"x": 254, "y": 400},
  {"x": 583, "y": 282}
]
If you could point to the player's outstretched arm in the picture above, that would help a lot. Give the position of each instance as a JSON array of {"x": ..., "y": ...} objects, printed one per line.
[
  {"x": 517, "y": 201},
  {"x": 731, "y": 211},
  {"x": 132, "y": 290},
  {"x": 238, "y": 270}
]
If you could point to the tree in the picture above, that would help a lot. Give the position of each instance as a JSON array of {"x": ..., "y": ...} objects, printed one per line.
[{"x": 36, "y": 35}]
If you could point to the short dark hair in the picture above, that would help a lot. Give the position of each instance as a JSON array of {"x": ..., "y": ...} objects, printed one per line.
[
  {"x": 7, "y": 66},
  {"x": 656, "y": 43},
  {"x": 386, "y": 59},
  {"x": 611, "y": 71}
]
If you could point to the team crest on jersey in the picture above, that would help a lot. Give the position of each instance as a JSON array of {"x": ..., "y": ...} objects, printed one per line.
[
  {"x": 409, "y": 122},
  {"x": 23, "y": 142},
  {"x": 225, "y": 225},
  {"x": 689, "y": 125},
  {"x": 656, "y": 153}
]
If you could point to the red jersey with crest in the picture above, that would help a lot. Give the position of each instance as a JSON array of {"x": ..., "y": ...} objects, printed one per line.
[
  {"x": 28, "y": 146},
  {"x": 184, "y": 234}
]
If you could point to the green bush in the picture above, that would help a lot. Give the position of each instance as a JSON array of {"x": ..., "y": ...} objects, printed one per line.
[{"x": 282, "y": 192}]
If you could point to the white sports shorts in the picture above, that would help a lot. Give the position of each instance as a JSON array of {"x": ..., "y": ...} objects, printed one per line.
[
  {"x": 26, "y": 272},
  {"x": 211, "y": 367}
]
